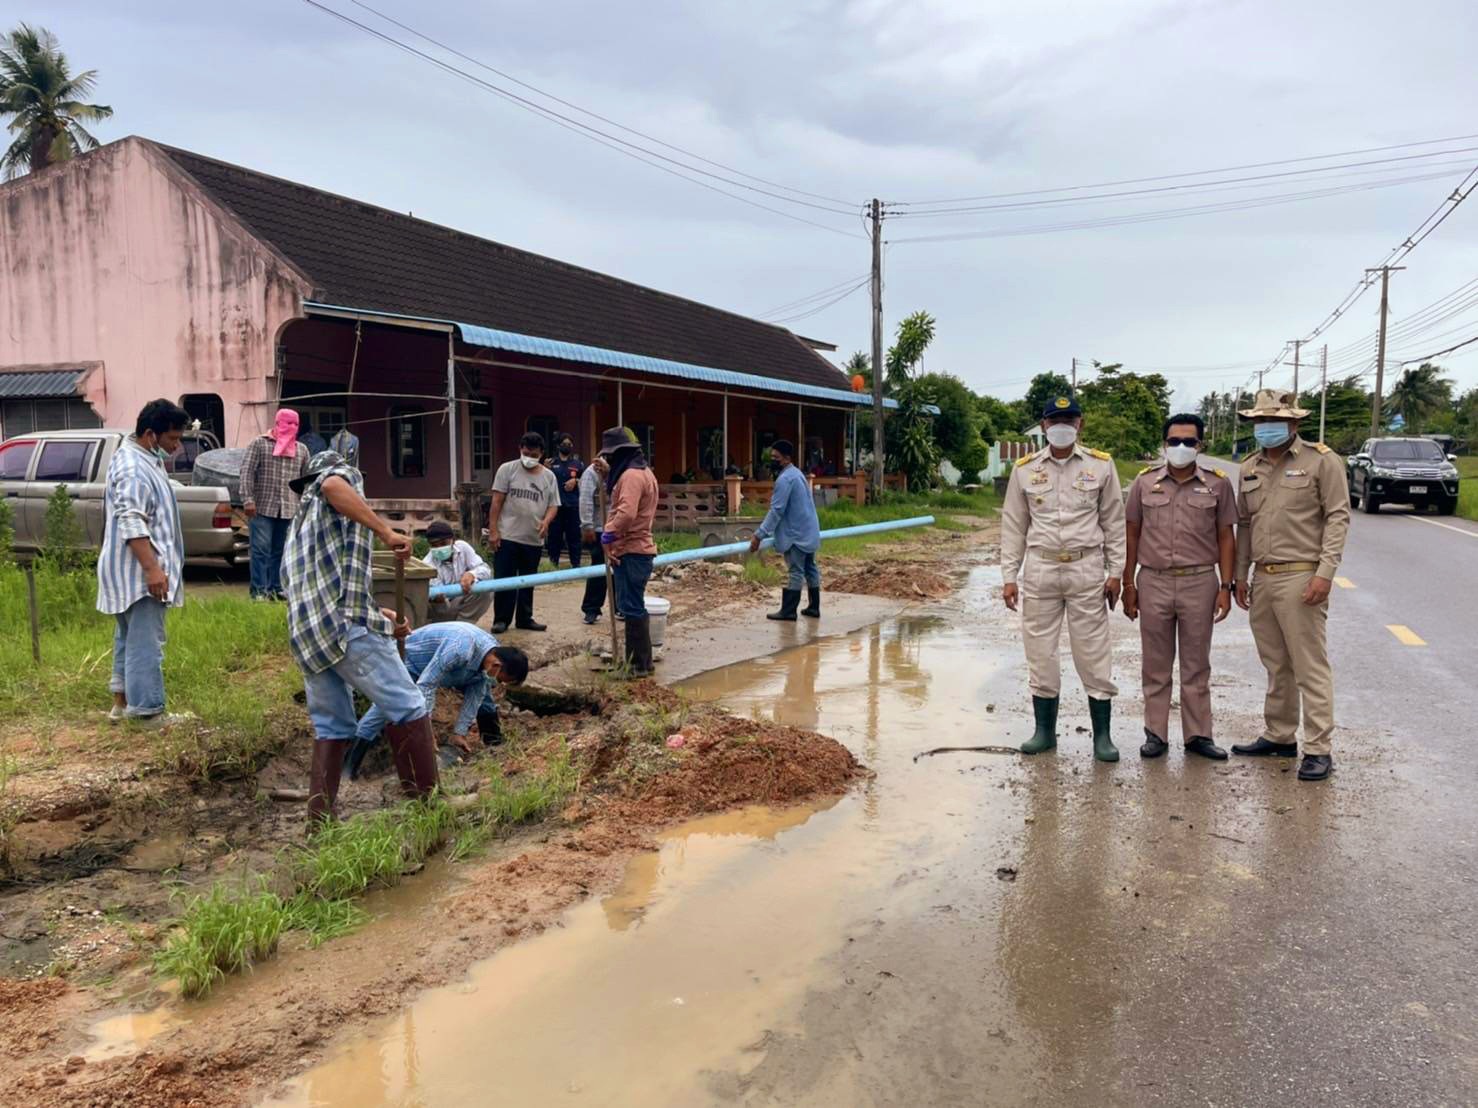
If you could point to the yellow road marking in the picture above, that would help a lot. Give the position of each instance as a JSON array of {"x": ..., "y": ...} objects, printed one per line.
[
  {"x": 1444, "y": 526},
  {"x": 1405, "y": 635},
  {"x": 1344, "y": 582}
]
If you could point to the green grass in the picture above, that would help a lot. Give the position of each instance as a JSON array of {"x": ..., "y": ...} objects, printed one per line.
[
  {"x": 224, "y": 658},
  {"x": 1467, "y": 493},
  {"x": 236, "y": 924},
  {"x": 670, "y": 542}
]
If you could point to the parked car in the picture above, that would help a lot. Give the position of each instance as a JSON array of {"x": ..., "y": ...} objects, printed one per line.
[
  {"x": 33, "y": 465},
  {"x": 1412, "y": 470},
  {"x": 193, "y": 443}
]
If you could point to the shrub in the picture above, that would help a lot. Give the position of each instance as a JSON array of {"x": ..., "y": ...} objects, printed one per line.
[
  {"x": 63, "y": 543},
  {"x": 7, "y": 533}
]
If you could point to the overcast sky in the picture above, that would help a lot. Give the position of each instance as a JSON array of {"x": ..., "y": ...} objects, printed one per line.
[{"x": 906, "y": 100}]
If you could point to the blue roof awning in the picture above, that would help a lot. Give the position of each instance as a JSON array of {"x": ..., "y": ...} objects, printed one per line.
[
  {"x": 38, "y": 384},
  {"x": 512, "y": 342}
]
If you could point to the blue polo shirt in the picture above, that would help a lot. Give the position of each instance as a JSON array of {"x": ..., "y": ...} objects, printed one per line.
[{"x": 792, "y": 515}]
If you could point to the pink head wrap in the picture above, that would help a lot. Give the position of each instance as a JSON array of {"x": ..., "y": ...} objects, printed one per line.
[{"x": 285, "y": 431}]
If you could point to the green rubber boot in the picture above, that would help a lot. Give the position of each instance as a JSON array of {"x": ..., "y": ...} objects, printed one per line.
[
  {"x": 1103, "y": 746},
  {"x": 1045, "y": 736}
]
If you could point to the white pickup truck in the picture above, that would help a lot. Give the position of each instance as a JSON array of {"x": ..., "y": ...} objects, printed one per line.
[{"x": 33, "y": 465}]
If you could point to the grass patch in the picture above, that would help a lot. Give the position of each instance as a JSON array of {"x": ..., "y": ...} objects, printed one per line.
[
  {"x": 764, "y": 569},
  {"x": 234, "y": 925},
  {"x": 670, "y": 542},
  {"x": 1467, "y": 489},
  {"x": 224, "y": 657}
]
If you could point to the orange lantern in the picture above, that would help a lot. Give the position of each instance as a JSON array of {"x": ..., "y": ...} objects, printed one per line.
[{"x": 858, "y": 382}]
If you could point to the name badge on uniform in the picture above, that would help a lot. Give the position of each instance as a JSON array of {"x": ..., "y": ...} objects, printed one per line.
[
  {"x": 1085, "y": 481},
  {"x": 1201, "y": 490},
  {"x": 1295, "y": 473},
  {"x": 1039, "y": 478}
]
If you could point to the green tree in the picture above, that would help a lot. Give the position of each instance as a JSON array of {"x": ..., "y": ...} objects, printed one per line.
[
  {"x": 48, "y": 103},
  {"x": 997, "y": 418},
  {"x": 910, "y": 446},
  {"x": 1124, "y": 413},
  {"x": 859, "y": 363},
  {"x": 62, "y": 540},
  {"x": 971, "y": 460},
  {"x": 956, "y": 427},
  {"x": 1040, "y": 392},
  {"x": 1418, "y": 393},
  {"x": 915, "y": 333}
]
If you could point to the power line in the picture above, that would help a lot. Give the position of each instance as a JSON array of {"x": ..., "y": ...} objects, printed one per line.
[
  {"x": 820, "y": 293},
  {"x": 823, "y": 306},
  {"x": 586, "y": 111},
  {"x": 1194, "y": 173},
  {"x": 594, "y": 134},
  {"x": 1263, "y": 180},
  {"x": 1159, "y": 215},
  {"x": 1439, "y": 353}
]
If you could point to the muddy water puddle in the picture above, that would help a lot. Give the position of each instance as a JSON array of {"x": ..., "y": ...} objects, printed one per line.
[{"x": 669, "y": 989}]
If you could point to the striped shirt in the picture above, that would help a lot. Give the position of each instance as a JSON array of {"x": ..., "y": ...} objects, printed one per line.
[
  {"x": 138, "y": 503},
  {"x": 449, "y": 656},
  {"x": 328, "y": 575},
  {"x": 589, "y": 483}
]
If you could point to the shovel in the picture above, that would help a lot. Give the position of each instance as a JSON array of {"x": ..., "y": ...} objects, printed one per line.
[{"x": 610, "y": 579}]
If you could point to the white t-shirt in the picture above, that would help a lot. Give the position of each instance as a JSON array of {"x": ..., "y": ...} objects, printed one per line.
[{"x": 529, "y": 494}]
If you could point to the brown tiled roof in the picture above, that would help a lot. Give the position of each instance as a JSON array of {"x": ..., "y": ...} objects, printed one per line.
[{"x": 365, "y": 257}]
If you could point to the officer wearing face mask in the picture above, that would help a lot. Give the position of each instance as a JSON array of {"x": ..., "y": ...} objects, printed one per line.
[
  {"x": 1294, "y": 514},
  {"x": 1062, "y": 554},
  {"x": 1180, "y": 517}
]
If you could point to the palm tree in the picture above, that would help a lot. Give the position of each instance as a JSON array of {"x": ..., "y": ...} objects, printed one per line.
[
  {"x": 47, "y": 102},
  {"x": 1418, "y": 393}
]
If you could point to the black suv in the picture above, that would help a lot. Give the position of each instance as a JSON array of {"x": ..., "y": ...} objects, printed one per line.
[{"x": 1411, "y": 471}]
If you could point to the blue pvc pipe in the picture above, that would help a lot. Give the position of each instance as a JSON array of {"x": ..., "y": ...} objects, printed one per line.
[{"x": 698, "y": 554}]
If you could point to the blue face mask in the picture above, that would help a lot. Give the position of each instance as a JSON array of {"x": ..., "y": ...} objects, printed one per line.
[
  {"x": 439, "y": 554},
  {"x": 1271, "y": 435}
]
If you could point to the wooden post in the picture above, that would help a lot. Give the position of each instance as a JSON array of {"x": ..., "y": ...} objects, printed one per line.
[
  {"x": 600, "y": 494},
  {"x": 399, "y": 602},
  {"x": 35, "y": 616}
]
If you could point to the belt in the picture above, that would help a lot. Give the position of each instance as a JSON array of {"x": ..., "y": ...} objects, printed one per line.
[
  {"x": 1061, "y": 555},
  {"x": 1180, "y": 571},
  {"x": 1287, "y": 567}
]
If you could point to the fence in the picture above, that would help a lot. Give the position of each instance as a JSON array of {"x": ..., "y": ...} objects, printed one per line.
[{"x": 683, "y": 507}]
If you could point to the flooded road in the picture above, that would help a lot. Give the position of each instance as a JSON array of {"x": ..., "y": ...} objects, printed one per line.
[{"x": 984, "y": 929}]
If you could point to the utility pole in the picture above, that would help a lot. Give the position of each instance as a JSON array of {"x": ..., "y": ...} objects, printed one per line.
[
  {"x": 1323, "y": 386},
  {"x": 1380, "y": 346},
  {"x": 1260, "y": 372},
  {"x": 1297, "y": 344},
  {"x": 878, "y": 441},
  {"x": 1075, "y": 376}
]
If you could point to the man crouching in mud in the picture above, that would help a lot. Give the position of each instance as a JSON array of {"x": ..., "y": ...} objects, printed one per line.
[{"x": 341, "y": 639}]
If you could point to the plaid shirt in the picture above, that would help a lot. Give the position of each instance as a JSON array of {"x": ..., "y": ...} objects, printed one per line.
[
  {"x": 264, "y": 477},
  {"x": 328, "y": 576}
]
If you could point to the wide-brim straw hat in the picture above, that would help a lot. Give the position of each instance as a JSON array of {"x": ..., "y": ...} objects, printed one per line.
[{"x": 1275, "y": 403}]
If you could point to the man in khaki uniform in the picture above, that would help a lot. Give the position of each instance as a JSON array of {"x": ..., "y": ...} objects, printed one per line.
[
  {"x": 1293, "y": 518},
  {"x": 1062, "y": 535},
  {"x": 1179, "y": 520}
]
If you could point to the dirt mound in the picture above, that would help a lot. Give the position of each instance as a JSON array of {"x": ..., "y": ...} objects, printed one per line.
[{"x": 893, "y": 579}]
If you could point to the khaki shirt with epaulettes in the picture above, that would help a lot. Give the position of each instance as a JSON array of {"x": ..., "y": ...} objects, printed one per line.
[
  {"x": 1061, "y": 507},
  {"x": 1296, "y": 509}
]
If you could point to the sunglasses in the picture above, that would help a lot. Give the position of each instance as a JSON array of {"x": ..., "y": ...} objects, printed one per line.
[{"x": 1176, "y": 441}]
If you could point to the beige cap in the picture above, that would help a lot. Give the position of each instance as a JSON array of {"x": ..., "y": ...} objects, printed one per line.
[{"x": 1275, "y": 403}]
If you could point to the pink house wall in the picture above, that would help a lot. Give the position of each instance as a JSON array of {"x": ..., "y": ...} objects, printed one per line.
[{"x": 117, "y": 257}]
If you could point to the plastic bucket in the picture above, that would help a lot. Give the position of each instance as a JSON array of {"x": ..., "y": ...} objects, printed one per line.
[{"x": 657, "y": 609}]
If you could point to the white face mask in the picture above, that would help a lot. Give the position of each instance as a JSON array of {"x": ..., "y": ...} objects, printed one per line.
[
  {"x": 1180, "y": 455},
  {"x": 1061, "y": 434},
  {"x": 528, "y": 463}
]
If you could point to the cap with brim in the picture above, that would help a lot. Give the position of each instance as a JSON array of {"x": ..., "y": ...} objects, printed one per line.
[
  {"x": 1274, "y": 404},
  {"x": 1061, "y": 406},
  {"x": 615, "y": 438}
]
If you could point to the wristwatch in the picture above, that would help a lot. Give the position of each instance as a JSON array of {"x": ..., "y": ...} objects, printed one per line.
[{"x": 1227, "y": 586}]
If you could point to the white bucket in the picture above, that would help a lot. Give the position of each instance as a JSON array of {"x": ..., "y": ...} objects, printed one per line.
[{"x": 657, "y": 609}]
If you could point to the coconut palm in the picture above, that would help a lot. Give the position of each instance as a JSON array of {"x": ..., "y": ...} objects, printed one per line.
[
  {"x": 1418, "y": 393},
  {"x": 48, "y": 103}
]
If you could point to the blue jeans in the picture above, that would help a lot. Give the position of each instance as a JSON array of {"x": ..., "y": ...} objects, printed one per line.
[
  {"x": 803, "y": 568},
  {"x": 372, "y": 666},
  {"x": 268, "y": 536},
  {"x": 138, "y": 657},
  {"x": 631, "y": 575}
]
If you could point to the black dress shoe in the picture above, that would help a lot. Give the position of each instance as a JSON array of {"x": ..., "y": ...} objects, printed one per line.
[
  {"x": 592, "y": 617},
  {"x": 499, "y": 627},
  {"x": 1153, "y": 746},
  {"x": 1265, "y": 749},
  {"x": 1206, "y": 748},
  {"x": 1315, "y": 767},
  {"x": 531, "y": 626}
]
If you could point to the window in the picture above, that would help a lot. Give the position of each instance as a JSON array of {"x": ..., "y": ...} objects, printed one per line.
[
  {"x": 482, "y": 442},
  {"x": 646, "y": 436},
  {"x": 51, "y": 415},
  {"x": 407, "y": 442},
  {"x": 209, "y": 410},
  {"x": 546, "y": 425},
  {"x": 21, "y": 417},
  {"x": 15, "y": 458},
  {"x": 65, "y": 461},
  {"x": 1407, "y": 450}
]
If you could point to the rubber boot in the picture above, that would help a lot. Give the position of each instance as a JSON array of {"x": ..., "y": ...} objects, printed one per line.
[
  {"x": 1045, "y": 736},
  {"x": 414, "y": 748},
  {"x": 813, "y": 607},
  {"x": 639, "y": 646},
  {"x": 789, "y": 600},
  {"x": 323, "y": 779},
  {"x": 1103, "y": 746}
]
